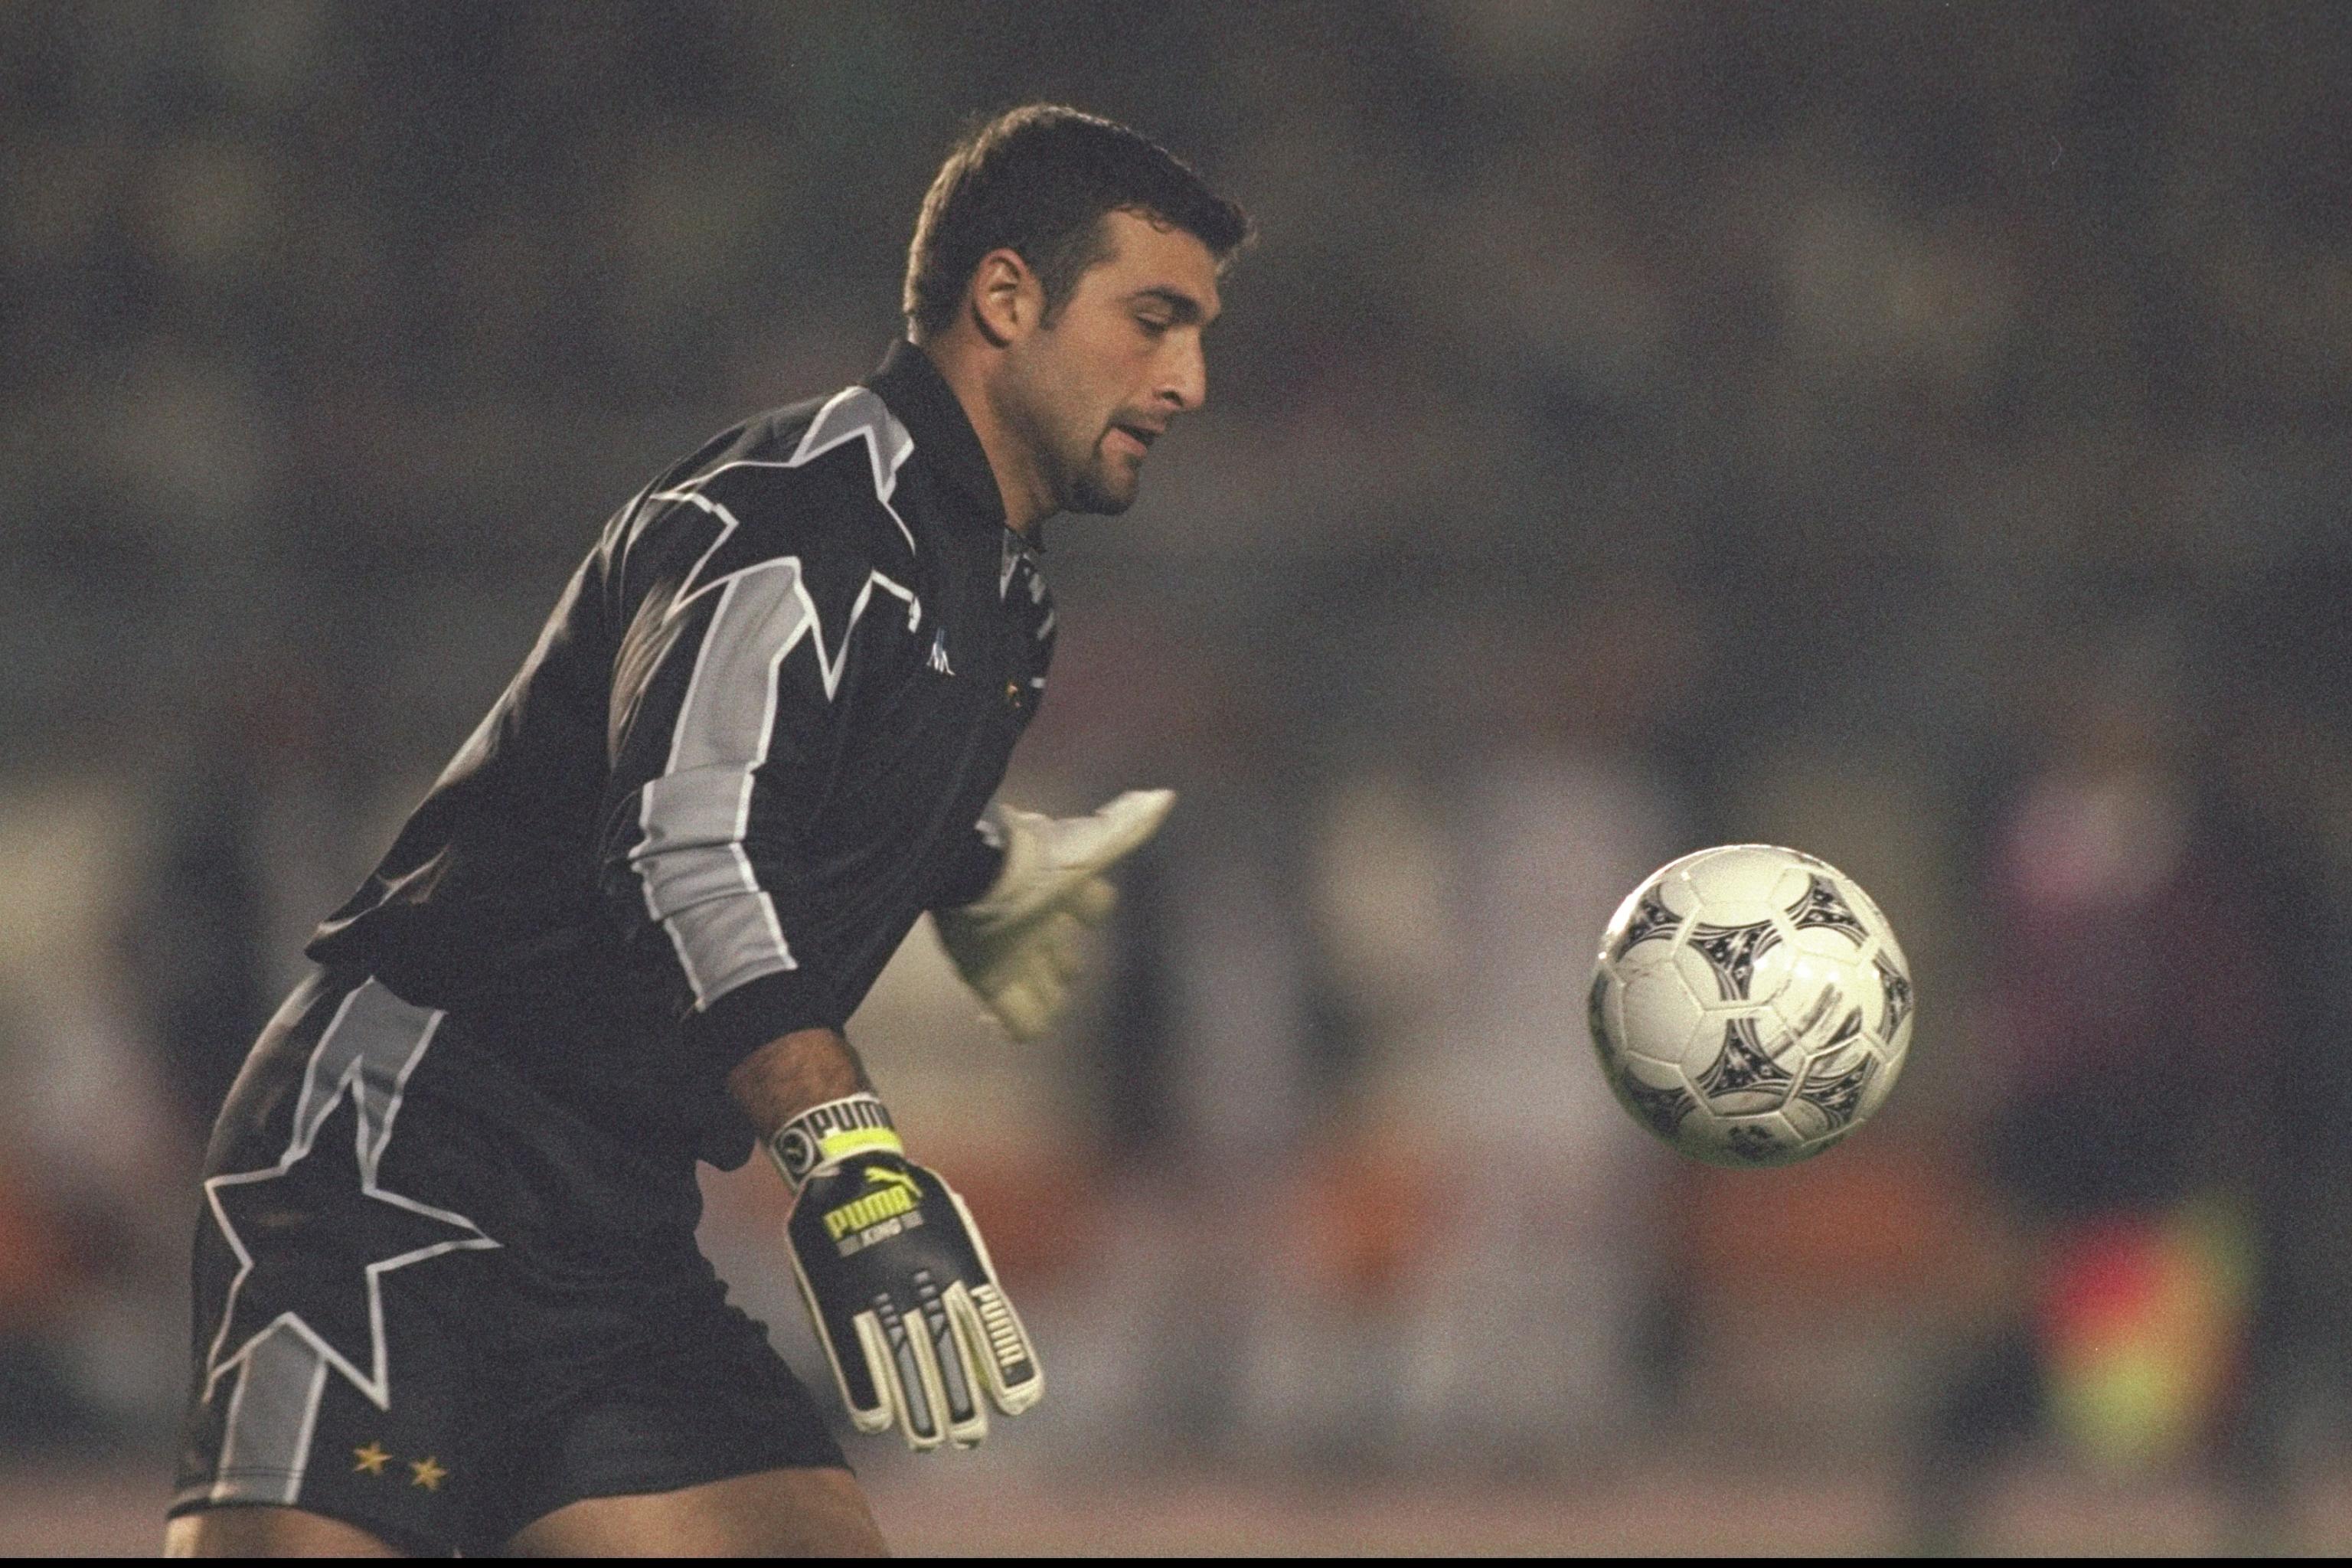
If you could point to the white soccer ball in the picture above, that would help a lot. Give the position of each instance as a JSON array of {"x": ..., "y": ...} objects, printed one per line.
[{"x": 1750, "y": 1005}]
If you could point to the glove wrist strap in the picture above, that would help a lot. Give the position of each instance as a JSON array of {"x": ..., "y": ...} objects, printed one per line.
[{"x": 823, "y": 1134}]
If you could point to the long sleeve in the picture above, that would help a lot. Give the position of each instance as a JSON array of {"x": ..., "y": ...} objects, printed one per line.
[
  {"x": 764, "y": 626},
  {"x": 748, "y": 751},
  {"x": 971, "y": 867}
]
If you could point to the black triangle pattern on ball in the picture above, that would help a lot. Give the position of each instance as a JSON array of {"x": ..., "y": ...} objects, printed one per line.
[
  {"x": 1898, "y": 999},
  {"x": 1838, "y": 1096},
  {"x": 1744, "y": 1065},
  {"x": 1731, "y": 951},
  {"x": 1824, "y": 906},
  {"x": 1650, "y": 918},
  {"x": 1663, "y": 1109}
]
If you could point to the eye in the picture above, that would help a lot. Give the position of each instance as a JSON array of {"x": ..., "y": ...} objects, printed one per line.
[{"x": 1153, "y": 325}]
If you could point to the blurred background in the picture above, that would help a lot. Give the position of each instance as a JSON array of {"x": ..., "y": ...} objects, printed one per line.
[{"x": 1915, "y": 433}]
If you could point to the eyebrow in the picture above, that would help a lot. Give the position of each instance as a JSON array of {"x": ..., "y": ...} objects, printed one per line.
[{"x": 1185, "y": 309}]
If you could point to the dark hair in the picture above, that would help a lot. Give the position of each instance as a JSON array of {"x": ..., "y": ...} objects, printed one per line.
[{"x": 1039, "y": 179}]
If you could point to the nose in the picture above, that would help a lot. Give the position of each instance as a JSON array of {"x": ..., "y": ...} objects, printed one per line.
[{"x": 1186, "y": 383}]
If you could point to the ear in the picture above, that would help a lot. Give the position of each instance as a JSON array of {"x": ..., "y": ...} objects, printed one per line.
[{"x": 1006, "y": 299}]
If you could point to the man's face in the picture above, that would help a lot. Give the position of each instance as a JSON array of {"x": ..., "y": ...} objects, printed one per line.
[{"x": 1091, "y": 391}]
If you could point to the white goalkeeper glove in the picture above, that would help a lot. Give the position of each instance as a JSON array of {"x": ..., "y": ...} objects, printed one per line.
[{"x": 1018, "y": 945}]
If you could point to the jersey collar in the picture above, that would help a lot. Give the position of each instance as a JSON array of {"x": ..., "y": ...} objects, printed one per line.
[{"x": 919, "y": 396}]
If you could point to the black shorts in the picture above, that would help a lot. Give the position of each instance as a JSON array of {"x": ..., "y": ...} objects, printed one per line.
[{"x": 435, "y": 1303}]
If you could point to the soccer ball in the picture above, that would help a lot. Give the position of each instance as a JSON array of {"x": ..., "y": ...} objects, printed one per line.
[{"x": 1750, "y": 1005}]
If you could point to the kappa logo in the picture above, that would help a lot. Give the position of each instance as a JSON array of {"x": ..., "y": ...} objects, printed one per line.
[{"x": 940, "y": 652}]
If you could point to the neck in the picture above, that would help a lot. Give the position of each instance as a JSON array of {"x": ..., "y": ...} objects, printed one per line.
[{"x": 964, "y": 365}]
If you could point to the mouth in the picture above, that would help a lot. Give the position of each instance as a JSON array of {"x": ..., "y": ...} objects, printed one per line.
[{"x": 1135, "y": 435}]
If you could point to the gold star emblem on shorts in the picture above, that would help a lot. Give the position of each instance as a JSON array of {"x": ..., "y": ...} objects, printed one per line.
[
  {"x": 430, "y": 1472},
  {"x": 370, "y": 1458}
]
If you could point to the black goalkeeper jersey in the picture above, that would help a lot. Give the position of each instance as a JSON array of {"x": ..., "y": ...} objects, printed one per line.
[{"x": 750, "y": 748}]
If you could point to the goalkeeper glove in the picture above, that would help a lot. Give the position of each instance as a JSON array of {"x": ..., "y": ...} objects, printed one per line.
[
  {"x": 1018, "y": 945},
  {"x": 898, "y": 1281}
]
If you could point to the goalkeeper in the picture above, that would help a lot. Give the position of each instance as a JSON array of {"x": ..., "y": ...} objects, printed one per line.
[{"x": 447, "y": 1289}]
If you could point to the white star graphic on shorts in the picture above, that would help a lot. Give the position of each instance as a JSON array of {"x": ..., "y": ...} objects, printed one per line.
[{"x": 403, "y": 1222}]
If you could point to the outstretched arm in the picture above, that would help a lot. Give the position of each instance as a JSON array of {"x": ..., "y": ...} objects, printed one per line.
[{"x": 1017, "y": 943}]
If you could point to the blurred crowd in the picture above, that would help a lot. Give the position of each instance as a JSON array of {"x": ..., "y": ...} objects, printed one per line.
[{"x": 1912, "y": 433}]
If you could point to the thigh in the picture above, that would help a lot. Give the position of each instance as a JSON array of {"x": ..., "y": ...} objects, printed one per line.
[
  {"x": 648, "y": 1387},
  {"x": 262, "y": 1531},
  {"x": 774, "y": 1513}
]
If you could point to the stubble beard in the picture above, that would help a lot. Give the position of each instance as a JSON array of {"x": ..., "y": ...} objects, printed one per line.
[
  {"x": 1079, "y": 474},
  {"x": 1076, "y": 473},
  {"x": 1094, "y": 491}
]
